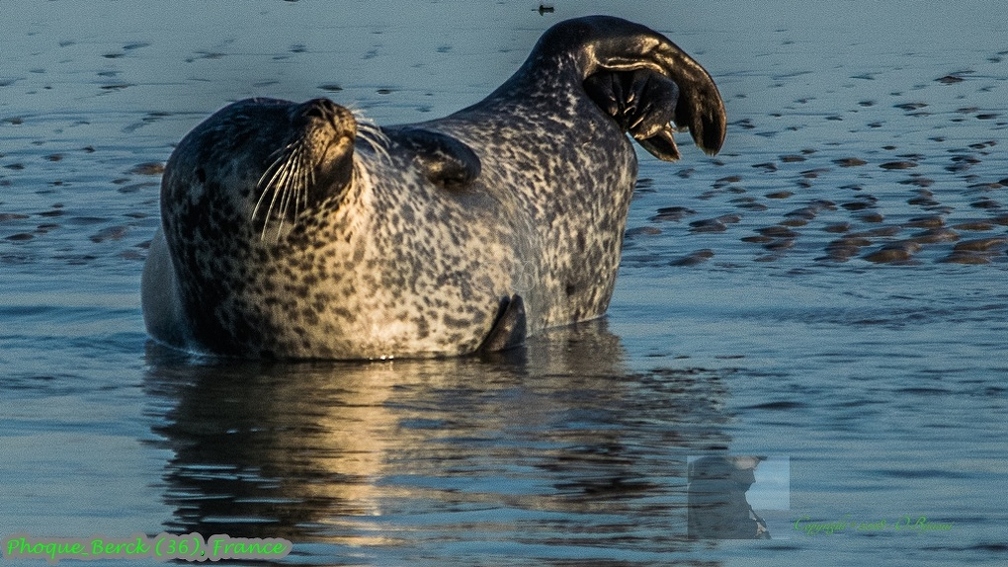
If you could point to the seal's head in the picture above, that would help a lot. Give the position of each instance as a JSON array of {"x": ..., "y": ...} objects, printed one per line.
[
  {"x": 243, "y": 194},
  {"x": 261, "y": 163},
  {"x": 314, "y": 164}
]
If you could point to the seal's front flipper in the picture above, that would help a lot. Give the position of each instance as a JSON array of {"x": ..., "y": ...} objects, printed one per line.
[
  {"x": 446, "y": 161},
  {"x": 510, "y": 328},
  {"x": 643, "y": 103}
]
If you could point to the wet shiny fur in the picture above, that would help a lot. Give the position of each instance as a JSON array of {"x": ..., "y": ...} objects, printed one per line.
[{"x": 294, "y": 231}]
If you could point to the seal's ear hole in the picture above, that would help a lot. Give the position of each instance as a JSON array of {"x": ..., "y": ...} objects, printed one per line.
[
  {"x": 201, "y": 175},
  {"x": 642, "y": 101}
]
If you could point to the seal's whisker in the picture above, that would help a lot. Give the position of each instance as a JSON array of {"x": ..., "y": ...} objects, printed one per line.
[
  {"x": 368, "y": 127},
  {"x": 285, "y": 182},
  {"x": 276, "y": 184},
  {"x": 293, "y": 188},
  {"x": 372, "y": 135},
  {"x": 264, "y": 191},
  {"x": 379, "y": 150},
  {"x": 291, "y": 170},
  {"x": 279, "y": 152},
  {"x": 379, "y": 139},
  {"x": 284, "y": 201},
  {"x": 307, "y": 182},
  {"x": 298, "y": 188},
  {"x": 272, "y": 172},
  {"x": 378, "y": 147}
]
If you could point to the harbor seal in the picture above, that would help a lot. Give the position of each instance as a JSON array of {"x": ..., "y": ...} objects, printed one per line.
[{"x": 298, "y": 230}]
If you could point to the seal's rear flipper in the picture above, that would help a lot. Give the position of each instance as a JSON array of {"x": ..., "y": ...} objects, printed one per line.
[
  {"x": 446, "y": 161},
  {"x": 510, "y": 328}
]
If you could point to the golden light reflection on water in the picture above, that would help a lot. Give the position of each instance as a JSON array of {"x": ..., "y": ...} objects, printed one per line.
[{"x": 378, "y": 454}]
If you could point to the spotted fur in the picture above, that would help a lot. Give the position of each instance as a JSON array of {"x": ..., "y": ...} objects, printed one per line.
[{"x": 277, "y": 244}]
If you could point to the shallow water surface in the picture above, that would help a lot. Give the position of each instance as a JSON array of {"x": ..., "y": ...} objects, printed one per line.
[{"x": 828, "y": 291}]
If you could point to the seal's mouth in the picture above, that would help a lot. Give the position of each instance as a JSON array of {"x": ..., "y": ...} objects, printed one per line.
[{"x": 315, "y": 164}]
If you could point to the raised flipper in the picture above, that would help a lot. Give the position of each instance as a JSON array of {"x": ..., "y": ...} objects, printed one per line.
[
  {"x": 643, "y": 103},
  {"x": 446, "y": 161},
  {"x": 619, "y": 50},
  {"x": 509, "y": 329}
]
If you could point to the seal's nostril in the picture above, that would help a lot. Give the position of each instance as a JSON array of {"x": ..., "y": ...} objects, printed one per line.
[
  {"x": 321, "y": 108},
  {"x": 315, "y": 112}
]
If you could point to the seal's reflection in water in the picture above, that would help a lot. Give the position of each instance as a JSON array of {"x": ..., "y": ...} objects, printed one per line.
[{"x": 553, "y": 445}]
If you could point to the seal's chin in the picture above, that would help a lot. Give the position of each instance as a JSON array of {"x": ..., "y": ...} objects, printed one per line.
[
  {"x": 313, "y": 167},
  {"x": 334, "y": 170}
]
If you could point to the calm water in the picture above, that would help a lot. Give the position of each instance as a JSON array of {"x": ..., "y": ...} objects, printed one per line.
[{"x": 829, "y": 291}]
